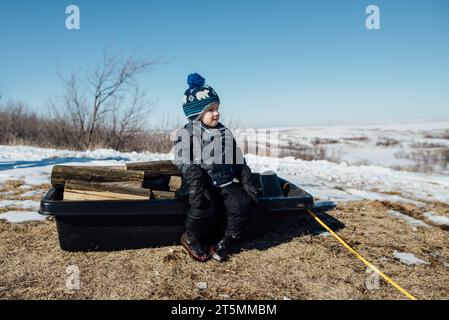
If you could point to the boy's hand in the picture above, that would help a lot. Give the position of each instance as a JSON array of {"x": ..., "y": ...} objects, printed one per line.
[
  {"x": 251, "y": 191},
  {"x": 247, "y": 184}
]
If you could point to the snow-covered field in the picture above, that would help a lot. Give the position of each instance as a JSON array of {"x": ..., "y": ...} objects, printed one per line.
[
  {"x": 411, "y": 146},
  {"x": 364, "y": 171}
]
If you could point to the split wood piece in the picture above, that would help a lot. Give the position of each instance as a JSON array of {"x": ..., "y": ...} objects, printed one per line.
[
  {"x": 131, "y": 184},
  {"x": 155, "y": 168},
  {"x": 175, "y": 183},
  {"x": 115, "y": 187},
  {"x": 60, "y": 174},
  {"x": 157, "y": 194},
  {"x": 80, "y": 190},
  {"x": 79, "y": 195}
]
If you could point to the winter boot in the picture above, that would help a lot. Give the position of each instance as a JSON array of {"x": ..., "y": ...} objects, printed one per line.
[
  {"x": 194, "y": 248},
  {"x": 219, "y": 251}
]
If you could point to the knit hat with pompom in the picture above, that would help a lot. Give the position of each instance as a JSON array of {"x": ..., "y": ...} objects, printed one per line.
[{"x": 198, "y": 96}]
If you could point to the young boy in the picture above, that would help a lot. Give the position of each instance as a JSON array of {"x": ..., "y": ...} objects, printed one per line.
[{"x": 208, "y": 157}]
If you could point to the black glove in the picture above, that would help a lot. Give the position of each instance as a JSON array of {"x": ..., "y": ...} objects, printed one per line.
[
  {"x": 199, "y": 196},
  {"x": 247, "y": 184}
]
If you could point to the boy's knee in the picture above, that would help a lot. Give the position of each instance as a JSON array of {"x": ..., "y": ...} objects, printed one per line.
[
  {"x": 237, "y": 201},
  {"x": 203, "y": 207},
  {"x": 199, "y": 198}
]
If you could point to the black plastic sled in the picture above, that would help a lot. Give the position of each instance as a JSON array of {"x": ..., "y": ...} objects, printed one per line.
[{"x": 130, "y": 224}]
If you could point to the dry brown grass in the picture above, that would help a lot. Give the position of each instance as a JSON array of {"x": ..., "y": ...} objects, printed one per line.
[
  {"x": 387, "y": 142},
  {"x": 11, "y": 191},
  {"x": 19, "y": 125},
  {"x": 293, "y": 261},
  {"x": 361, "y": 139},
  {"x": 437, "y": 135}
]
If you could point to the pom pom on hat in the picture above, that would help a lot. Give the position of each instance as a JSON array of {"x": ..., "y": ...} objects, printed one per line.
[{"x": 194, "y": 80}]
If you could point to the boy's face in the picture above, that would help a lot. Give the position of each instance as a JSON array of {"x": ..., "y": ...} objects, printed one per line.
[{"x": 211, "y": 116}]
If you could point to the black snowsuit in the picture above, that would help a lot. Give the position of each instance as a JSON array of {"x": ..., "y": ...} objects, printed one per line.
[{"x": 210, "y": 183}]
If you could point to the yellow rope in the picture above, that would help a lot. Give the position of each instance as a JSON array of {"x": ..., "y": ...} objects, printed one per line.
[{"x": 347, "y": 246}]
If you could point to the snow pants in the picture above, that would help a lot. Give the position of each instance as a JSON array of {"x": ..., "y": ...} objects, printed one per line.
[{"x": 203, "y": 216}]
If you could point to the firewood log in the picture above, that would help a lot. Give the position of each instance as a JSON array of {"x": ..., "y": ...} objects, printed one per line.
[
  {"x": 155, "y": 168},
  {"x": 93, "y": 174}
]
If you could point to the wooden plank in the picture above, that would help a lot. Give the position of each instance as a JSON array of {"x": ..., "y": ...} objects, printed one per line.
[
  {"x": 155, "y": 168},
  {"x": 93, "y": 174}
]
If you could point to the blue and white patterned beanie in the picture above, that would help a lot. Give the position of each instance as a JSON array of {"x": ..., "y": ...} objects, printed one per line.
[{"x": 198, "y": 96}]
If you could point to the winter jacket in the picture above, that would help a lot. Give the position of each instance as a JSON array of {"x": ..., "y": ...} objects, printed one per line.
[{"x": 200, "y": 141}]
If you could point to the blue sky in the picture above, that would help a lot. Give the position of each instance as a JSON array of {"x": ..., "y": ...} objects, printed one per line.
[{"x": 273, "y": 63}]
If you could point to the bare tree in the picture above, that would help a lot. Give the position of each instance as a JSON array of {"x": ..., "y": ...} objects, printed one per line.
[
  {"x": 108, "y": 98},
  {"x": 128, "y": 122},
  {"x": 73, "y": 107}
]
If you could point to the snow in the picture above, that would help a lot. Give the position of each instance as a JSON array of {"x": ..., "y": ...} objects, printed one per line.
[
  {"x": 439, "y": 220},
  {"x": 21, "y": 204},
  {"x": 376, "y": 196},
  {"x": 201, "y": 285},
  {"x": 409, "y": 220},
  {"x": 16, "y": 157},
  {"x": 408, "y": 258},
  {"x": 324, "y": 234},
  {"x": 33, "y": 193},
  {"x": 30, "y": 176},
  {"x": 22, "y": 216}
]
